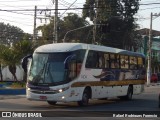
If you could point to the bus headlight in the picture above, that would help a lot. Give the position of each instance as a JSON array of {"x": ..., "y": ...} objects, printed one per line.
[
  {"x": 28, "y": 89},
  {"x": 63, "y": 89},
  {"x": 60, "y": 90}
]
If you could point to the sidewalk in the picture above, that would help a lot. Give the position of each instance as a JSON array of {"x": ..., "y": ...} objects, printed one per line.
[
  {"x": 150, "y": 88},
  {"x": 153, "y": 87},
  {"x": 2, "y": 97}
]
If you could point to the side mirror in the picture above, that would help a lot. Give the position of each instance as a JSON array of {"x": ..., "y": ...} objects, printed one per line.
[{"x": 24, "y": 62}]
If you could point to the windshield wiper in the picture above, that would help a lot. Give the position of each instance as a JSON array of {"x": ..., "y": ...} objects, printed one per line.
[{"x": 38, "y": 77}]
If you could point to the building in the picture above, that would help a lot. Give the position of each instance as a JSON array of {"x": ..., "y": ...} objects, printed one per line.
[{"x": 155, "y": 62}]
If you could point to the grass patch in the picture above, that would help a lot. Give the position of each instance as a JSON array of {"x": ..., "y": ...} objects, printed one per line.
[
  {"x": 14, "y": 85},
  {"x": 18, "y": 85}
]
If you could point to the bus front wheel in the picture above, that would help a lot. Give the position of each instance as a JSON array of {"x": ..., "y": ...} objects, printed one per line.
[
  {"x": 85, "y": 98},
  {"x": 51, "y": 102}
]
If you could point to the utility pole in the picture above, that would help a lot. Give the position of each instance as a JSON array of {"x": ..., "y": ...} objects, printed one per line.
[
  {"x": 34, "y": 27},
  {"x": 95, "y": 22},
  {"x": 55, "y": 34},
  {"x": 149, "y": 53}
]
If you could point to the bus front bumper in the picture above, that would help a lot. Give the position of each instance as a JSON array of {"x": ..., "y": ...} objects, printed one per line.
[{"x": 61, "y": 97}]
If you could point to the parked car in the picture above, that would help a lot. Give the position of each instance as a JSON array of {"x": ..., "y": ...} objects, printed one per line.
[{"x": 154, "y": 77}]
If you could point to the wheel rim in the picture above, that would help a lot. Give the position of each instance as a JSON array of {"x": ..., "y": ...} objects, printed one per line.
[
  {"x": 130, "y": 94},
  {"x": 85, "y": 99}
]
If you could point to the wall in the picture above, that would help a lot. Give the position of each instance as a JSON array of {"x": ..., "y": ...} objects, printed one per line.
[{"x": 7, "y": 76}]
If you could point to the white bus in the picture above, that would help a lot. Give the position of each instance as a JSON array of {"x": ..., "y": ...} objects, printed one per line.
[{"x": 65, "y": 72}]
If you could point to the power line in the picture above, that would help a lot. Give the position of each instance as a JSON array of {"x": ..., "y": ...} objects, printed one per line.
[
  {"x": 68, "y": 8},
  {"x": 150, "y": 4},
  {"x": 16, "y": 17},
  {"x": 19, "y": 0},
  {"x": 149, "y": 8},
  {"x": 12, "y": 6},
  {"x": 50, "y": 9},
  {"x": 16, "y": 22},
  {"x": 16, "y": 12},
  {"x": 20, "y": 6}
]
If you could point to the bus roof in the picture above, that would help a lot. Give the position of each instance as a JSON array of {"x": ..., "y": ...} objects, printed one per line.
[
  {"x": 66, "y": 47},
  {"x": 61, "y": 47}
]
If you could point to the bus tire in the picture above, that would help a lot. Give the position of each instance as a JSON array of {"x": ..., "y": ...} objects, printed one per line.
[
  {"x": 85, "y": 98},
  {"x": 51, "y": 102},
  {"x": 129, "y": 93}
]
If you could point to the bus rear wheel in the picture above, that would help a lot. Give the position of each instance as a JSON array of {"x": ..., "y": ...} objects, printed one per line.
[
  {"x": 51, "y": 102},
  {"x": 85, "y": 98},
  {"x": 129, "y": 94}
]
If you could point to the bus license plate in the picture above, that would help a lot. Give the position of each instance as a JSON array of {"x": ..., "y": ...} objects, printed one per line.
[{"x": 43, "y": 97}]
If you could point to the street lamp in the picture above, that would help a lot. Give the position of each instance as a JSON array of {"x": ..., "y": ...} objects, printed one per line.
[{"x": 64, "y": 39}]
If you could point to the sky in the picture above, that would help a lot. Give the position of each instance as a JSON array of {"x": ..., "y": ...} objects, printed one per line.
[{"x": 25, "y": 19}]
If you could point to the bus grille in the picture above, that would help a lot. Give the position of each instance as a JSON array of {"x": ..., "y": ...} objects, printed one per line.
[{"x": 43, "y": 92}]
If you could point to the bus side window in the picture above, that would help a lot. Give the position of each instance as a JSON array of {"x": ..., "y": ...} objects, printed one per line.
[
  {"x": 80, "y": 56},
  {"x": 106, "y": 60},
  {"x": 124, "y": 61},
  {"x": 140, "y": 62},
  {"x": 112, "y": 60},
  {"x": 117, "y": 61},
  {"x": 92, "y": 60},
  {"x": 89, "y": 60},
  {"x": 101, "y": 61},
  {"x": 133, "y": 62}
]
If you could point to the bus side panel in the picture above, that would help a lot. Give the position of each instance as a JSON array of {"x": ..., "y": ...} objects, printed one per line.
[
  {"x": 121, "y": 90},
  {"x": 105, "y": 91},
  {"x": 76, "y": 94},
  {"x": 137, "y": 89}
]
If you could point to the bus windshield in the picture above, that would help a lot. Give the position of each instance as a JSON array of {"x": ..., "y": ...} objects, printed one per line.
[{"x": 54, "y": 68}]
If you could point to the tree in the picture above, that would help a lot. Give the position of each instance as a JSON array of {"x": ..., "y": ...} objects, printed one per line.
[
  {"x": 2, "y": 49},
  {"x": 11, "y": 56},
  {"x": 47, "y": 33},
  {"x": 22, "y": 49},
  {"x": 70, "y": 22},
  {"x": 119, "y": 15},
  {"x": 10, "y": 34},
  {"x": 11, "y": 60}
]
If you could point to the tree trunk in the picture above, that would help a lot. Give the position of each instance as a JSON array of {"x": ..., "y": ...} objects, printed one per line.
[
  {"x": 24, "y": 76},
  {"x": 1, "y": 75},
  {"x": 12, "y": 69}
]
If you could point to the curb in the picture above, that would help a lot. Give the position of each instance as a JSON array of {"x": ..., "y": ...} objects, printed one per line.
[
  {"x": 12, "y": 91},
  {"x": 2, "y": 97}
]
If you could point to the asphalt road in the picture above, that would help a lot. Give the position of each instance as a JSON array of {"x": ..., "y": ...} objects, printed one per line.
[{"x": 145, "y": 103}]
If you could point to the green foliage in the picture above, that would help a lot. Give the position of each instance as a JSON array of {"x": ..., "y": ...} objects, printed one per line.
[
  {"x": 70, "y": 22},
  {"x": 20, "y": 47},
  {"x": 119, "y": 14},
  {"x": 10, "y": 34},
  {"x": 47, "y": 33},
  {"x": 23, "y": 48},
  {"x": 11, "y": 56}
]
